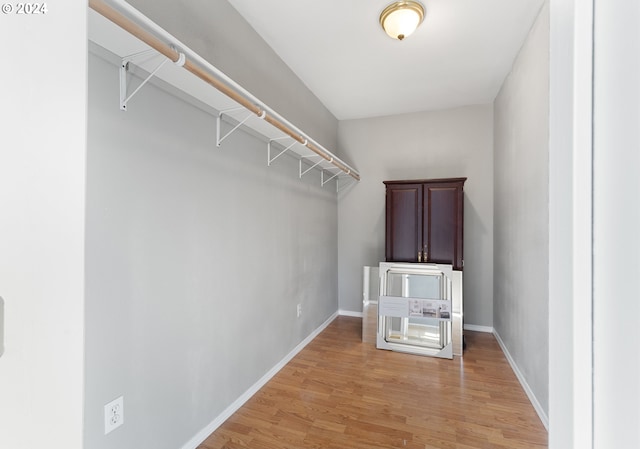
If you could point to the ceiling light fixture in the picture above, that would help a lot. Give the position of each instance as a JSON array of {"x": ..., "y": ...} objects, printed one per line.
[{"x": 400, "y": 19}]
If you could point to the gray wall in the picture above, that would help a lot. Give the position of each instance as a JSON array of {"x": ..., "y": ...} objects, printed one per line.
[
  {"x": 449, "y": 143},
  {"x": 218, "y": 33},
  {"x": 196, "y": 257},
  {"x": 521, "y": 209}
]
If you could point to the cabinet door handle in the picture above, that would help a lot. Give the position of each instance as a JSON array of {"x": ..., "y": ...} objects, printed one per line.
[
  {"x": 419, "y": 256},
  {"x": 424, "y": 253}
]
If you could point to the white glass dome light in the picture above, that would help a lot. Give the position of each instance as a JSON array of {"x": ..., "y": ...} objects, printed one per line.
[{"x": 400, "y": 19}]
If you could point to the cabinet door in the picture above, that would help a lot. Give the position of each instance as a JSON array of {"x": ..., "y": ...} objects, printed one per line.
[
  {"x": 404, "y": 222},
  {"x": 443, "y": 223}
]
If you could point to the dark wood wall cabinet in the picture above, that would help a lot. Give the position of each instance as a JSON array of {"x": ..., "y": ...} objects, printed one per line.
[{"x": 424, "y": 221}]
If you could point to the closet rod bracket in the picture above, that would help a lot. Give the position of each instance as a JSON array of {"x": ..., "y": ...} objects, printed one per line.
[
  {"x": 219, "y": 139},
  {"x": 324, "y": 181},
  {"x": 302, "y": 173},
  {"x": 124, "y": 69},
  {"x": 269, "y": 158}
]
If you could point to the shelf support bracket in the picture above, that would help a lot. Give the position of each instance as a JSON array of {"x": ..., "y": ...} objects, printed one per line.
[
  {"x": 301, "y": 173},
  {"x": 219, "y": 120},
  {"x": 324, "y": 181},
  {"x": 269, "y": 159},
  {"x": 124, "y": 68}
]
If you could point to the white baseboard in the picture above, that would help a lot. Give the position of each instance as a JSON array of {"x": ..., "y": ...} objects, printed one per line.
[
  {"x": 197, "y": 440},
  {"x": 350, "y": 313},
  {"x": 477, "y": 328},
  {"x": 532, "y": 397}
]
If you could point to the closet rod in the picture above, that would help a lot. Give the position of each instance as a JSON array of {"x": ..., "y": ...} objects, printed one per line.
[{"x": 134, "y": 22}]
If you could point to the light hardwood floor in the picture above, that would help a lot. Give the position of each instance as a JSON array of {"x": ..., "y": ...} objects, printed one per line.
[{"x": 341, "y": 393}]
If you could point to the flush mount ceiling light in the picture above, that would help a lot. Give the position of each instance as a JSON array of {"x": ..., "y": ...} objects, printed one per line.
[{"x": 400, "y": 19}]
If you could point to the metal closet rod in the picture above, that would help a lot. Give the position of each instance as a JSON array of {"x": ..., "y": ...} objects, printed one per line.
[{"x": 134, "y": 22}]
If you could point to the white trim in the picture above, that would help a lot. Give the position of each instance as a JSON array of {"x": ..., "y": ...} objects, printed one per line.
[
  {"x": 350, "y": 313},
  {"x": 478, "y": 328},
  {"x": 571, "y": 116},
  {"x": 199, "y": 438},
  {"x": 525, "y": 386},
  {"x": 582, "y": 224}
]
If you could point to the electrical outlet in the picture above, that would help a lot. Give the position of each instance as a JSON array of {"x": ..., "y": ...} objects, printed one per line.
[
  {"x": 113, "y": 414},
  {"x": 299, "y": 310}
]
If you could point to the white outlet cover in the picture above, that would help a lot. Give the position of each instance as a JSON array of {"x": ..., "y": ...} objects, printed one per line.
[{"x": 113, "y": 414}]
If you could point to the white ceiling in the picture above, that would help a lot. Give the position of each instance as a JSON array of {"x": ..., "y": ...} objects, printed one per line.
[{"x": 459, "y": 56}]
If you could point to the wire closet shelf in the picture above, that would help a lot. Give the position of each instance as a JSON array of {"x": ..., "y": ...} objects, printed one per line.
[{"x": 125, "y": 31}]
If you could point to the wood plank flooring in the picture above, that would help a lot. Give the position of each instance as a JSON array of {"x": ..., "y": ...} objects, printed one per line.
[{"x": 341, "y": 393}]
